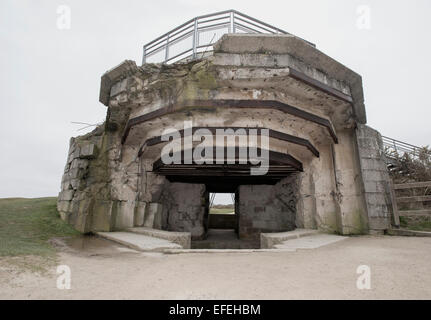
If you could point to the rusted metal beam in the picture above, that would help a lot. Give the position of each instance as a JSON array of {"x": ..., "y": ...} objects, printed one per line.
[
  {"x": 225, "y": 183},
  {"x": 272, "y": 134},
  {"x": 279, "y": 165},
  {"x": 229, "y": 103},
  {"x": 319, "y": 85}
]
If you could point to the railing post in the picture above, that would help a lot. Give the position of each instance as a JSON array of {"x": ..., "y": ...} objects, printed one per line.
[
  {"x": 232, "y": 22},
  {"x": 395, "y": 212},
  {"x": 143, "y": 55},
  {"x": 167, "y": 49},
  {"x": 195, "y": 38}
]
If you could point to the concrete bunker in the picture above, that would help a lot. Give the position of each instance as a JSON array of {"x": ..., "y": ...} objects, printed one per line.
[{"x": 325, "y": 168}]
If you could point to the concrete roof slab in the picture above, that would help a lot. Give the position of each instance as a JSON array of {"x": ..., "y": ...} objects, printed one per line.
[{"x": 301, "y": 50}]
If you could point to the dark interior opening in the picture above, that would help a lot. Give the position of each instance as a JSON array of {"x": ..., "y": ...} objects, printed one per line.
[{"x": 222, "y": 220}]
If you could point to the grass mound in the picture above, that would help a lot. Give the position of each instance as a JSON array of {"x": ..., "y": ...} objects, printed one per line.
[{"x": 26, "y": 225}]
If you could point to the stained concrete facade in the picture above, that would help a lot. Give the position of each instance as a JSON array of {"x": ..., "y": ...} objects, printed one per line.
[
  {"x": 267, "y": 208},
  {"x": 335, "y": 178}
]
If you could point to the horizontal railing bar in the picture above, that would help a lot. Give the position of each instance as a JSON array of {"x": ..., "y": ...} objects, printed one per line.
[
  {"x": 204, "y": 46},
  {"x": 404, "y": 150},
  {"x": 400, "y": 147},
  {"x": 206, "y": 29},
  {"x": 191, "y": 21},
  {"x": 414, "y": 212},
  {"x": 253, "y": 24},
  {"x": 167, "y": 33},
  {"x": 214, "y": 14},
  {"x": 414, "y": 199},
  {"x": 176, "y": 56},
  {"x": 215, "y": 19},
  {"x": 170, "y": 35},
  {"x": 258, "y": 21},
  {"x": 412, "y": 185},
  {"x": 171, "y": 43},
  {"x": 214, "y": 26},
  {"x": 185, "y": 29},
  {"x": 246, "y": 27},
  {"x": 401, "y": 142},
  {"x": 268, "y": 25},
  {"x": 179, "y": 38},
  {"x": 147, "y": 47},
  {"x": 154, "y": 51},
  {"x": 155, "y": 44}
]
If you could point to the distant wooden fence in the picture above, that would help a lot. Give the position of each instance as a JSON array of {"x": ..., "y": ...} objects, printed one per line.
[{"x": 412, "y": 199}]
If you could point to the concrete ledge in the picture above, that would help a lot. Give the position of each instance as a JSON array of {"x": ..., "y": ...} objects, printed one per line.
[
  {"x": 271, "y": 45},
  {"x": 181, "y": 238},
  {"x": 110, "y": 77},
  {"x": 312, "y": 242},
  {"x": 269, "y": 240},
  {"x": 180, "y": 251},
  {"x": 139, "y": 242},
  {"x": 408, "y": 233}
]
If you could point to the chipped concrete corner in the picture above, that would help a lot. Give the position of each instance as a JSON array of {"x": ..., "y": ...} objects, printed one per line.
[{"x": 278, "y": 82}]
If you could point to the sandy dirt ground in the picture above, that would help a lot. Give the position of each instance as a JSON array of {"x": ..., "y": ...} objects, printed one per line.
[{"x": 400, "y": 269}]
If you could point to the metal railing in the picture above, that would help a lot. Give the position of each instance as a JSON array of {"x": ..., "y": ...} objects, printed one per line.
[
  {"x": 197, "y": 35},
  {"x": 400, "y": 147}
]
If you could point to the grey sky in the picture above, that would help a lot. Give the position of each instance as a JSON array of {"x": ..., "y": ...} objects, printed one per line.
[{"x": 50, "y": 77}]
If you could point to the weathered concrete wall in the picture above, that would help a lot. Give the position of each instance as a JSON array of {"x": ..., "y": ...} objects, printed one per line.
[
  {"x": 375, "y": 177},
  {"x": 352, "y": 216},
  {"x": 318, "y": 190},
  {"x": 81, "y": 177},
  {"x": 99, "y": 184},
  {"x": 184, "y": 208},
  {"x": 267, "y": 208}
]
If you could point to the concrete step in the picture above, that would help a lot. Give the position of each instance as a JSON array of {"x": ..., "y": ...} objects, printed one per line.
[
  {"x": 139, "y": 242},
  {"x": 181, "y": 238},
  {"x": 269, "y": 240},
  {"x": 313, "y": 241}
]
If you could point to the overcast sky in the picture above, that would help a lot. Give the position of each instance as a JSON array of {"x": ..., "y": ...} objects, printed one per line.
[{"x": 50, "y": 77}]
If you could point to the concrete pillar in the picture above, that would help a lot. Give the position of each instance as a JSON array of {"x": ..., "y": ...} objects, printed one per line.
[
  {"x": 153, "y": 215},
  {"x": 139, "y": 213},
  {"x": 375, "y": 178},
  {"x": 349, "y": 196}
]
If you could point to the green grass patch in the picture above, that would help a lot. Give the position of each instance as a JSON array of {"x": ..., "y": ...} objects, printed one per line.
[
  {"x": 221, "y": 210},
  {"x": 26, "y": 225}
]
